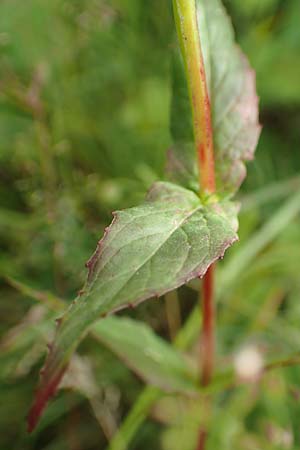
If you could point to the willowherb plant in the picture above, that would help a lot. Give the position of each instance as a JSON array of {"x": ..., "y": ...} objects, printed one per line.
[{"x": 185, "y": 224}]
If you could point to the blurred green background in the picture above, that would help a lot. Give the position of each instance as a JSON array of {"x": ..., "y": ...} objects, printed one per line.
[{"x": 84, "y": 129}]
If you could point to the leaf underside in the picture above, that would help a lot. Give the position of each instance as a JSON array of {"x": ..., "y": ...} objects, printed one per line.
[
  {"x": 234, "y": 105},
  {"x": 147, "y": 251}
]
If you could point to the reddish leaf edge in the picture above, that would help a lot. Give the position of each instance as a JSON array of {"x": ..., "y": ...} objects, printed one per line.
[
  {"x": 47, "y": 390},
  {"x": 42, "y": 398},
  {"x": 48, "y": 387}
]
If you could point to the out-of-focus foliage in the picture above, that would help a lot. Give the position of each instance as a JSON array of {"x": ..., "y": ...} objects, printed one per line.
[{"x": 84, "y": 128}]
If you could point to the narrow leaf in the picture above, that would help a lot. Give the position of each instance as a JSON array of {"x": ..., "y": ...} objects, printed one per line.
[
  {"x": 234, "y": 104},
  {"x": 148, "y": 355},
  {"x": 147, "y": 251}
]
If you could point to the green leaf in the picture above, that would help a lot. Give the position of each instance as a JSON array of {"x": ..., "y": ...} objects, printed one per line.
[
  {"x": 148, "y": 355},
  {"x": 234, "y": 104},
  {"x": 147, "y": 251}
]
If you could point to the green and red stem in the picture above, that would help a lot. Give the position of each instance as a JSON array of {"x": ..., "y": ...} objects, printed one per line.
[
  {"x": 190, "y": 43},
  {"x": 188, "y": 32}
]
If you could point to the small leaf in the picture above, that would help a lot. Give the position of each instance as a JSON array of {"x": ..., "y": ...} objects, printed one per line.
[
  {"x": 152, "y": 358},
  {"x": 234, "y": 103},
  {"x": 147, "y": 251}
]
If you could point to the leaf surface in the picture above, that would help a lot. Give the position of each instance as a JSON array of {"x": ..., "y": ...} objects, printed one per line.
[
  {"x": 234, "y": 104},
  {"x": 147, "y": 251}
]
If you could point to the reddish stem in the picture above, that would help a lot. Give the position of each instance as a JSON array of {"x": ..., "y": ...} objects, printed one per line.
[
  {"x": 207, "y": 344},
  {"x": 188, "y": 32},
  {"x": 208, "y": 339},
  {"x": 189, "y": 37},
  {"x": 202, "y": 439}
]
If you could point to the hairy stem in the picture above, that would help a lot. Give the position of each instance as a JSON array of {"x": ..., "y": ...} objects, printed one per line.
[{"x": 190, "y": 43}]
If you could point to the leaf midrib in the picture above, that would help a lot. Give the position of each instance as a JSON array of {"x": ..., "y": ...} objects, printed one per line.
[{"x": 195, "y": 210}]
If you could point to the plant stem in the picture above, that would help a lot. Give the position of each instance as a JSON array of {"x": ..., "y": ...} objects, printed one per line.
[
  {"x": 208, "y": 341},
  {"x": 187, "y": 29},
  {"x": 190, "y": 43},
  {"x": 202, "y": 439},
  {"x": 173, "y": 313},
  {"x": 188, "y": 32}
]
